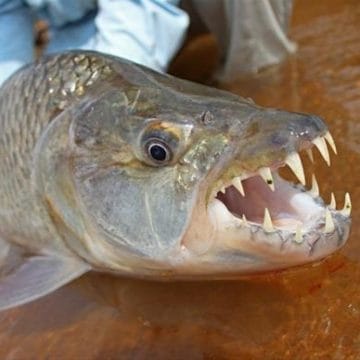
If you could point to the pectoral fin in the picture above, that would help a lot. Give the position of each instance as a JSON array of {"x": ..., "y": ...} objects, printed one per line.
[{"x": 36, "y": 276}]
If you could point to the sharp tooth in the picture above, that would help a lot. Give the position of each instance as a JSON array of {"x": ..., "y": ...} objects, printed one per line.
[
  {"x": 320, "y": 143},
  {"x": 268, "y": 225},
  {"x": 314, "y": 191},
  {"x": 329, "y": 223},
  {"x": 310, "y": 154},
  {"x": 238, "y": 184},
  {"x": 223, "y": 189},
  {"x": 346, "y": 211},
  {"x": 294, "y": 162},
  {"x": 267, "y": 176},
  {"x": 332, "y": 204},
  {"x": 298, "y": 234},
  {"x": 331, "y": 141}
]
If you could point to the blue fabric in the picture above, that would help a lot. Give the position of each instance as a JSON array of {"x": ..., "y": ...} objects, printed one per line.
[
  {"x": 61, "y": 12},
  {"x": 16, "y": 36},
  {"x": 145, "y": 31}
]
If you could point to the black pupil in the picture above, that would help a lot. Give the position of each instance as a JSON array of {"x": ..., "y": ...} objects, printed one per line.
[{"x": 158, "y": 152}]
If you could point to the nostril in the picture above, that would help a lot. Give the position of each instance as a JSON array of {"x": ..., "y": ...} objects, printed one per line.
[
  {"x": 278, "y": 139},
  {"x": 306, "y": 127}
]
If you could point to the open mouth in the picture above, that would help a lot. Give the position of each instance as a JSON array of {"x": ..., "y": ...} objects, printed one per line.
[{"x": 265, "y": 204}]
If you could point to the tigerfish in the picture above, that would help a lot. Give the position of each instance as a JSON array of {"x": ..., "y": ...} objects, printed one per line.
[{"x": 109, "y": 166}]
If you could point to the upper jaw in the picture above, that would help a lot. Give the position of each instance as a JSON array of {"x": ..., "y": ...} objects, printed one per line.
[{"x": 262, "y": 214}]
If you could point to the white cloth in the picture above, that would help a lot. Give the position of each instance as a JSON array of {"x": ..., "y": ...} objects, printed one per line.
[{"x": 251, "y": 33}]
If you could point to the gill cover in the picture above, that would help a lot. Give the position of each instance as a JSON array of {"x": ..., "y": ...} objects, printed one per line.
[{"x": 109, "y": 205}]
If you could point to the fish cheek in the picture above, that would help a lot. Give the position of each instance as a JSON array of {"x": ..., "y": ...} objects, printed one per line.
[{"x": 144, "y": 213}]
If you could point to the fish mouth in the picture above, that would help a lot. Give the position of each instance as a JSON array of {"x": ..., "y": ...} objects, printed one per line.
[{"x": 261, "y": 213}]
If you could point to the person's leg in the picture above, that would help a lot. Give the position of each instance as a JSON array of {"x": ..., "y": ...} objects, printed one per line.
[
  {"x": 74, "y": 35},
  {"x": 16, "y": 37},
  {"x": 62, "y": 12},
  {"x": 251, "y": 34}
]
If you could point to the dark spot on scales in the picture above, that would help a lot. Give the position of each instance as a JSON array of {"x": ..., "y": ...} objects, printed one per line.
[
  {"x": 207, "y": 117},
  {"x": 252, "y": 130}
]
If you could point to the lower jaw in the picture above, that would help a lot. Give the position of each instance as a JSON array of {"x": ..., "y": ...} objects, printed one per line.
[
  {"x": 241, "y": 250},
  {"x": 280, "y": 248},
  {"x": 287, "y": 244},
  {"x": 227, "y": 243}
]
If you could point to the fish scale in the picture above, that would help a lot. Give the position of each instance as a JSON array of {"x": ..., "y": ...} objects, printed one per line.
[{"x": 27, "y": 107}]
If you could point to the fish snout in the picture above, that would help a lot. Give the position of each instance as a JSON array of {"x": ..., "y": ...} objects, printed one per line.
[{"x": 271, "y": 135}]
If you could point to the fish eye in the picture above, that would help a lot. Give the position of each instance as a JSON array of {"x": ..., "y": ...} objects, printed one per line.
[{"x": 158, "y": 151}]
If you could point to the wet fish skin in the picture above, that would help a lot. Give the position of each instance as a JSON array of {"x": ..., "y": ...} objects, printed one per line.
[
  {"x": 78, "y": 191},
  {"x": 29, "y": 101}
]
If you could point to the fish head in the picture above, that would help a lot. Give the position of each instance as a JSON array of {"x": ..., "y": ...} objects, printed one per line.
[{"x": 174, "y": 179}]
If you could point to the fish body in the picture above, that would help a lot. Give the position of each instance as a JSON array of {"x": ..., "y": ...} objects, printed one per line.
[{"x": 108, "y": 166}]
